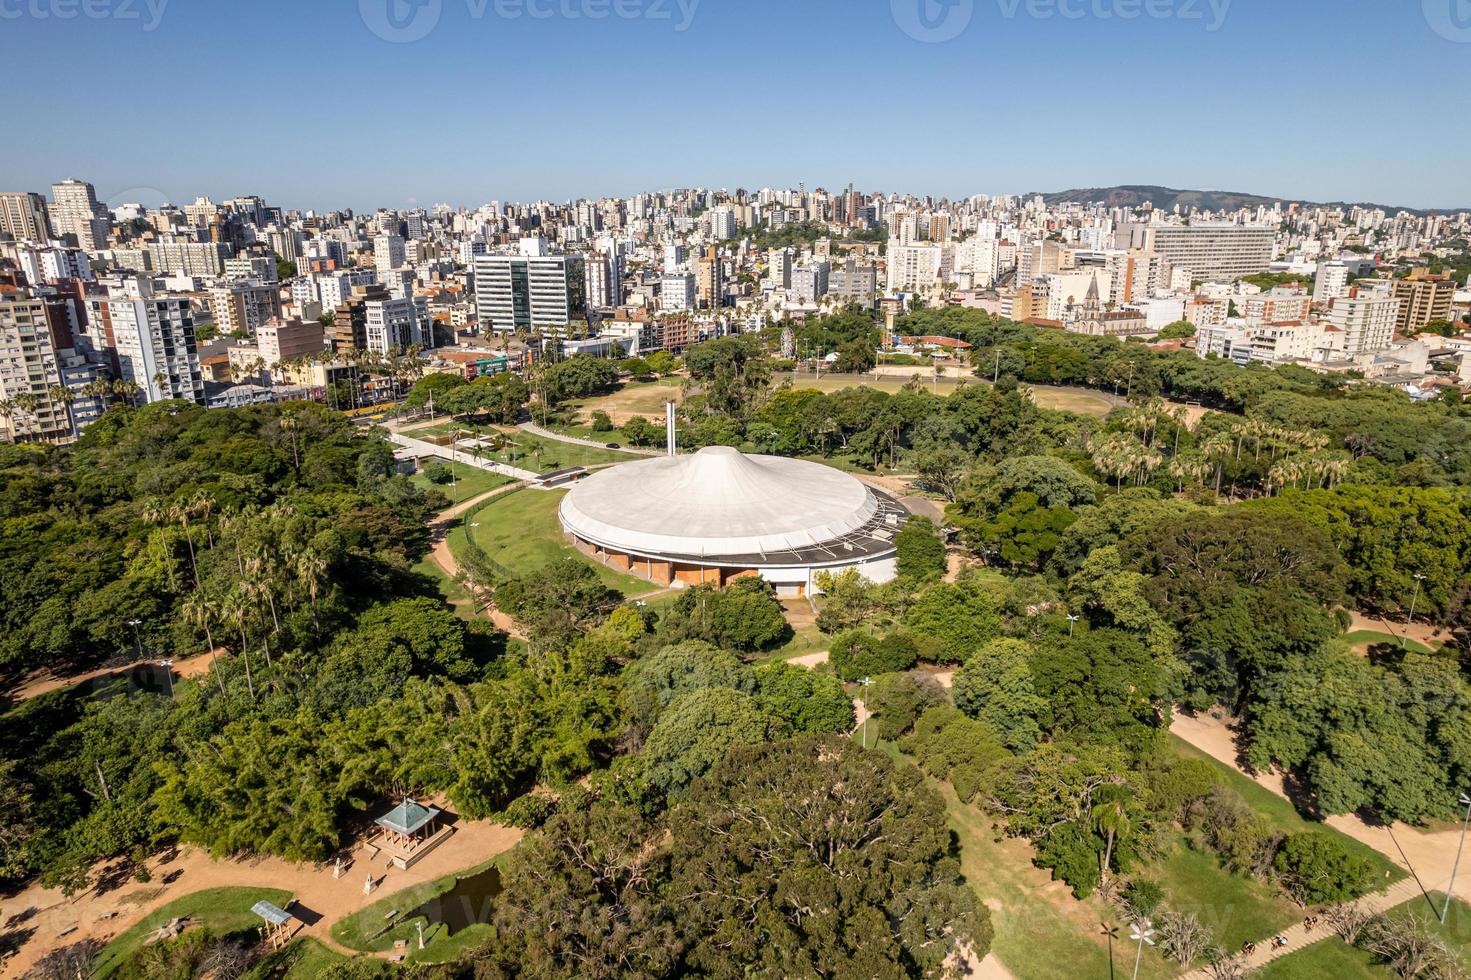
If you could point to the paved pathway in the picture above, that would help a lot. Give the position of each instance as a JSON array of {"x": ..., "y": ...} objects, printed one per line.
[
  {"x": 419, "y": 449},
  {"x": 440, "y": 553},
  {"x": 38, "y": 684},
  {"x": 537, "y": 430},
  {"x": 1297, "y": 936}
]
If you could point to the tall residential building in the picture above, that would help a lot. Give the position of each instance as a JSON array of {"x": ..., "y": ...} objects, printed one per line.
[
  {"x": 1365, "y": 319},
  {"x": 601, "y": 292},
  {"x": 151, "y": 333},
  {"x": 810, "y": 281},
  {"x": 76, "y": 211},
  {"x": 391, "y": 324},
  {"x": 1331, "y": 282},
  {"x": 1208, "y": 251},
  {"x": 23, "y": 216},
  {"x": 529, "y": 291},
  {"x": 779, "y": 267},
  {"x": 241, "y": 307},
  {"x": 854, "y": 283},
  {"x": 388, "y": 252},
  {"x": 1423, "y": 299},
  {"x": 709, "y": 279},
  {"x": 677, "y": 291},
  {"x": 917, "y": 267},
  {"x": 29, "y": 370}
]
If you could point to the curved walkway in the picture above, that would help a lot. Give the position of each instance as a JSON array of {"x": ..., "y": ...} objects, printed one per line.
[
  {"x": 536, "y": 430},
  {"x": 38, "y": 684},
  {"x": 440, "y": 553}
]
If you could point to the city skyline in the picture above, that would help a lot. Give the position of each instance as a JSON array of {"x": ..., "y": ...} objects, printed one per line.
[{"x": 1208, "y": 95}]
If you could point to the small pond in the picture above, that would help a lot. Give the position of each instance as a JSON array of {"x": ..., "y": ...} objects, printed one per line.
[{"x": 471, "y": 901}]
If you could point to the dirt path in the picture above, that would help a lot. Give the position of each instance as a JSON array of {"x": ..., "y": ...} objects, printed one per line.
[
  {"x": 1421, "y": 632},
  {"x": 1428, "y": 856},
  {"x": 39, "y": 684},
  {"x": 321, "y": 897},
  {"x": 440, "y": 551}
]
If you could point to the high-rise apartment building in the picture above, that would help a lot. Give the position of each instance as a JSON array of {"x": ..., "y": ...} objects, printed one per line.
[
  {"x": 391, "y": 324},
  {"x": 677, "y": 291},
  {"x": 1209, "y": 251},
  {"x": 779, "y": 267},
  {"x": 151, "y": 334},
  {"x": 388, "y": 252},
  {"x": 29, "y": 370},
  {"x": 1366, "y": 320},
  {"x": 241, "y": 307},
  {"x": 531, "y": 291},
  {"x": 1330, "y": 283},
  {"x": 709, "y": 279},
  {"x": 1422, "y": 299},
  {"x": 810, "y": 280},
  {"x": 75, "y": 210},
  {"x": 23, "y": 216}
]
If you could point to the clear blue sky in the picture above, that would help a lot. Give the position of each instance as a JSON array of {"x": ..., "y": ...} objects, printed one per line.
[{"x": 301, "y": 102}]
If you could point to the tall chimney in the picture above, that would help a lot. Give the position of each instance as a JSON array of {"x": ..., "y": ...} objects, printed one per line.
[{"x": 669, "y": 432}]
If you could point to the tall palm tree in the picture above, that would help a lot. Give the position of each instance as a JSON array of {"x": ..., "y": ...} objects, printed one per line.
[
  {"x": 236, "y": 609},
  {"x": 199, "y": 610},
  {"x": 7, "y": 411}
]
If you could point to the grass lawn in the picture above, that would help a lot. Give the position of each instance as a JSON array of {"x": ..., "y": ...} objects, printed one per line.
[
  {"x": 453, "y": 592},
  {"x": 304, "y": 958},
  {"x": 470, "y": 481},
  {"x": 221, "y": 912},
  {"x": 1066, "y": 400},
  {"x": 364, "y": 930},
  {"x": 644, "y": 398},
  {"x": 1287, "y": 819},
  {"x": 1235, "y": 908},
  {"x": 1329, "y": 958},
  {"x": 519, "y": 530},
  {"x": 1368, "y": 638}
]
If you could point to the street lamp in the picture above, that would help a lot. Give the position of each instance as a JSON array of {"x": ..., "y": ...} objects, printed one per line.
[
  {"x": 137, "y": 635},
  {"x": 1072, "y": 621},
  {"x": 1450, "y": 890},
  {"x": 866, "y": 682},
  {"x": 1140, "y": 933},
  {"x": 1405, "y": 636},
  {"x": 168, "y": 671}
]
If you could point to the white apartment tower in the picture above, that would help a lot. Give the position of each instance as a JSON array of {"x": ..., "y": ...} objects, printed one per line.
[
  {"x": 76, "y": 211},
  {"x": 152, "y": 334}
]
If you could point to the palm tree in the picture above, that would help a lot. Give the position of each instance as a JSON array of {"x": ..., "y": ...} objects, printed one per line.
[
  {"x": 66, "y": 396},
  {"x": 7, "y": 409},
  {"x": 200, "y": 610},
  {"x": 1110, "y": 814},
  {"x": 235, "y": 611}
]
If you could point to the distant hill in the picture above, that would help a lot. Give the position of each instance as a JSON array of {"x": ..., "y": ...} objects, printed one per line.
[{"x": 1165, "y": 199}]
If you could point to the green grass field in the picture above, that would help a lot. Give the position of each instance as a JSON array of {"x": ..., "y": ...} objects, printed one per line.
[
  {"x": 1368, "y": 638},
  {"x": 220, "y": 911},
  {"x": 469, "y": 482},
  {"x": 519, "y": 530},
  {"x": 1235, "y": 908},
  {"x": 304, "y": 958},
  {"x": 1058, "y": 399}
]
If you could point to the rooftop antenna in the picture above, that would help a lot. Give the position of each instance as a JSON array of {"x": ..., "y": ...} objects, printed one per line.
[{"x": 669, "y": 433}]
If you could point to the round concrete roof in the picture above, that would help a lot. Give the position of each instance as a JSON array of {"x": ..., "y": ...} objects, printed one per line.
[{"x": 718, "y": 501}]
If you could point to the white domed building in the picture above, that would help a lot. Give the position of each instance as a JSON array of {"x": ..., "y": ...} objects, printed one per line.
[{"x": 720, "y": 514}]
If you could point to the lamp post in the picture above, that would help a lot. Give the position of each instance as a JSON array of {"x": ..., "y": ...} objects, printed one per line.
[
  {"x": 1072, "y": 621},
  {"x": 1451, "y": 889},
  {"x": 1418, "y": 579},
  {"x": 866, "y": 682},
  {"x": 168, "y": 671},
  {"x": 137, "y": 635},
  {"x": 1140, "y": 933}
]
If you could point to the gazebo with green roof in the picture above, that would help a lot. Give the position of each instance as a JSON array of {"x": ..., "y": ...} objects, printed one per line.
[{"x": 409, "y": 824}]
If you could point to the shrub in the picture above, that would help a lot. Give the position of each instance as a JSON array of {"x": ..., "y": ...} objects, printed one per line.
[
  {"x": 1316, "y": 868},
  {"x": 528, "y": 812},
  {"x": 856, "y": 654},
  {"x": 602, "y": 422},
  {"x": 897, "y": 700},
  {"x": 437, "y": 473}
]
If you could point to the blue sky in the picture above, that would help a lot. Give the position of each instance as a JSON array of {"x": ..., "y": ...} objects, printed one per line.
[{"x": 302, "y": 102}]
